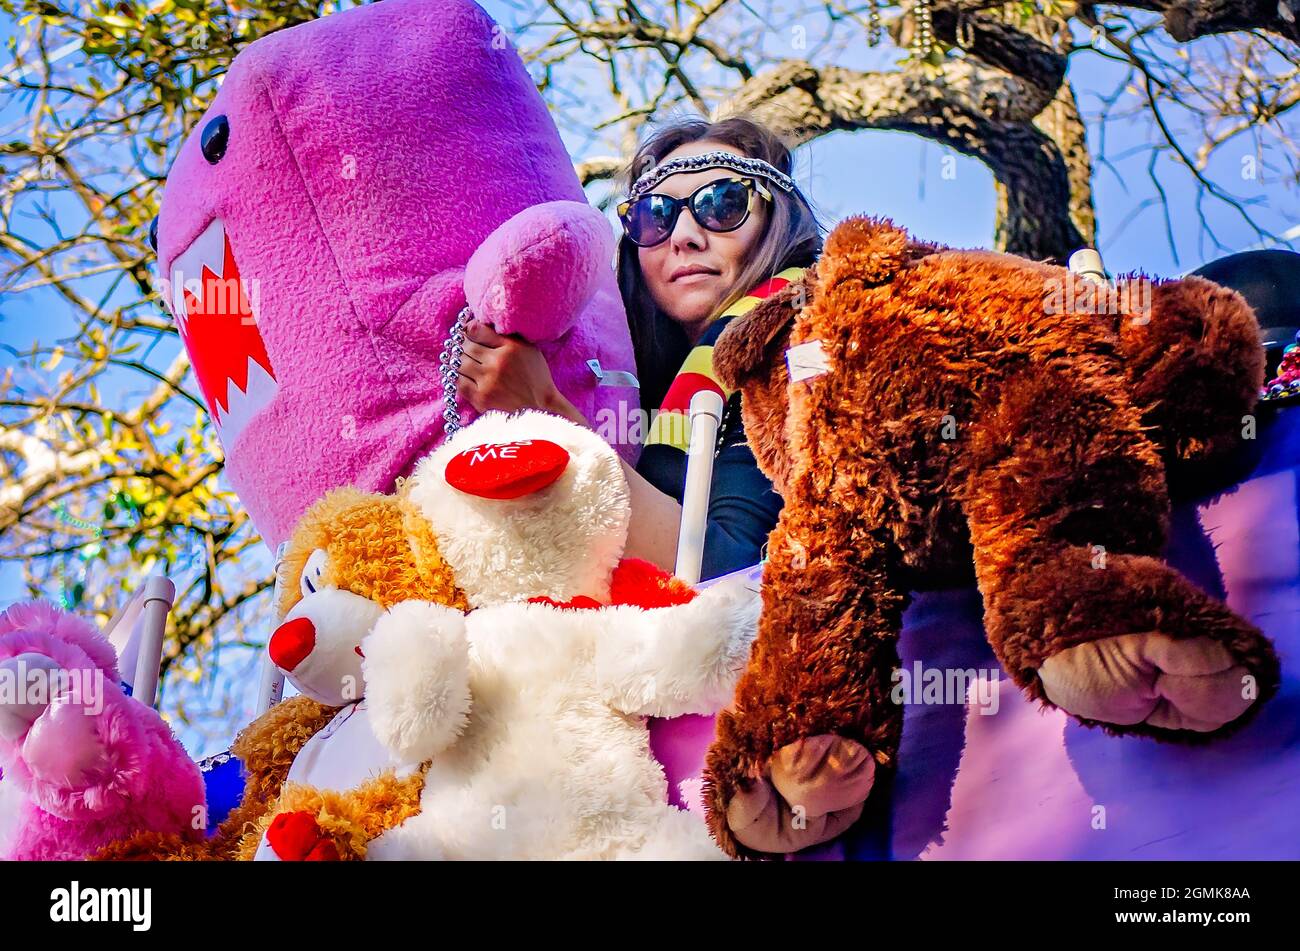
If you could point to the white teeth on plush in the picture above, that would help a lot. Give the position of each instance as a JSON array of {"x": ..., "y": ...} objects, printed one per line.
[
  {"x": 207, "y": 250},
  {"x": 244, "y": 404}
]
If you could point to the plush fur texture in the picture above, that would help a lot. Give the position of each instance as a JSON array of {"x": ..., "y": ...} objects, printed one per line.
[
  {"x": 363, "y": 562},
  {"x": 267, "y": 748},
  {"x": 378, "y": 159},
  {"x": 375, "y": 553},
  {"x": 975, "y": 402},
  {"x": 526, "y": 718},
  {"x": 87, "y": 777},
  {"x": 555, "y": 761},
  {"x": 561, "y": 542},
  {"x": 375, "y": 546},
  {"x": 511, "y": 279},
  {"x": 346, "y": 822},
  {"x": 417, "y": 677},
  {"x": 671, "y": 661}
]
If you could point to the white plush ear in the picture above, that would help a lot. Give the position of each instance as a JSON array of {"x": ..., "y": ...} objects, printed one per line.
[
  {"x": 560, "y": 542},
  {"x": 417, "y": 679}
]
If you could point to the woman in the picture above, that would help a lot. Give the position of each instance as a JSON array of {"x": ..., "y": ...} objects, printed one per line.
[
  {"x": 712, "y": 223},
  {"x": 707, "y": 231}
]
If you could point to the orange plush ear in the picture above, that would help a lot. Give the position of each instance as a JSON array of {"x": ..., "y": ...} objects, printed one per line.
[
  {"x": 376, "y": 546},
  {"x": 749, "y": 343},
  {"x": 438, "y": 581},
  {"x": 869, "y": 250},
  {"x": 337, "y": 513}
]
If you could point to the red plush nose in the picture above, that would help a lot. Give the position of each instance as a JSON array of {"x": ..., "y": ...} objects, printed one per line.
[
  {"x": 507, "y": 470},
  {"x": 291, "y": 643}
]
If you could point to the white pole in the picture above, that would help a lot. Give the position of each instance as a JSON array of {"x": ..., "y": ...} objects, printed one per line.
[
  {"x": 156, "y": 596},
  {"x": 1087, "y": 264},
  {"x": 705, "y": 417},
  {"x": 271, "y": 688}
]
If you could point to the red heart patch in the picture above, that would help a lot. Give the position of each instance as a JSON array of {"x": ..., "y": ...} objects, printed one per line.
[
  {"x": 293, "y": 835},
  {"x": 507, "y": 470}
]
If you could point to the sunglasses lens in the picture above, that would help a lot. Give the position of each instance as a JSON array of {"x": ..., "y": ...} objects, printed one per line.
[
  {"x": 723, "y": 206},
  {"x": 649, "y": 220}
]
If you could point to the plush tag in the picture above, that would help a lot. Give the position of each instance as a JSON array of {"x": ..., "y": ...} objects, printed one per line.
[
  {"x": 612, "y": 377},
  {"x": 507, "y": 470},
  {"x": 806, "y": 360}
]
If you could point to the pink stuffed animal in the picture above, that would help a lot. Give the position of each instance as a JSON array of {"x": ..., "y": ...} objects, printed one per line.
[
  {"x": 93, "y": 764},
  {"x": 356, "y": 182}
]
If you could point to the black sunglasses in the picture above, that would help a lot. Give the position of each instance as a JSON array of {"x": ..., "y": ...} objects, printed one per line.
[{"x": 722, "y": 205}]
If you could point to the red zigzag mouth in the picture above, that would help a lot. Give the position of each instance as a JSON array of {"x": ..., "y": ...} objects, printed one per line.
[{"x": 213, "y": 306}]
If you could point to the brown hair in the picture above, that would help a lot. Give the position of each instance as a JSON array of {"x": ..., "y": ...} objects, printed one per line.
[{"x": 791, "y": 238}]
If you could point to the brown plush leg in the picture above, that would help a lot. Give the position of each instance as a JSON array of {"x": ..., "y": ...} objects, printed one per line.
[
  {"x": 1067, "y": 511},
  {"x": 797, "y": 755}
]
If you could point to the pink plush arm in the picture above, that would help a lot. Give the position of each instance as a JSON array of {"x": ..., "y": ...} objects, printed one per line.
[
  {"x": 536, "y": 271},
  {"x": 94, "y": 765}
]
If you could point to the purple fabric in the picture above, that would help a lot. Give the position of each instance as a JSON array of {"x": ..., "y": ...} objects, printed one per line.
[
  {"x": 1029, "y": 783},
  {"x": 370, "y": 154}
]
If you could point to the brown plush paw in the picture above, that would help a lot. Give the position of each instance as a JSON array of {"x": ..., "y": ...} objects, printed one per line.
[
  {"x": 812, "y": 790},
  {"x": 1193, "y": 684}
]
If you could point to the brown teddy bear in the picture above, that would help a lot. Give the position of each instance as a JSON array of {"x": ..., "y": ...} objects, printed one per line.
[
  {"x": 916, "y": 405},
  {"x": 358, "y": 554}
]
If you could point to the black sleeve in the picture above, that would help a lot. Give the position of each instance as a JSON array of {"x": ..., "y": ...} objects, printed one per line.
[
  {"x": 743, "y": 506},
  {"x": 743, "y": 509}
]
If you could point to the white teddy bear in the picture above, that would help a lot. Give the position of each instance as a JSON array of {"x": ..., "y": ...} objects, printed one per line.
[{"x": 531, "y": 708}]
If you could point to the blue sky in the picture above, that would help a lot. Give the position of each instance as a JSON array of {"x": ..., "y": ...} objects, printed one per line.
[{"x": 900, "y": 176}]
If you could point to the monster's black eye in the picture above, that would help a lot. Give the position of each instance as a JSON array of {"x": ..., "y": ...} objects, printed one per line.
[
  {"x": 215, "y": 138},
  {"x": 153, "y": 234}
]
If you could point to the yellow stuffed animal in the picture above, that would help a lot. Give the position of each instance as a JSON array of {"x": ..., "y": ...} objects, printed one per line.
[{"x": 311, "y": 792}]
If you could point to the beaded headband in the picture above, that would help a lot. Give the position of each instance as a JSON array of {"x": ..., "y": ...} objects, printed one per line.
[{"x": 695, "y": 163}]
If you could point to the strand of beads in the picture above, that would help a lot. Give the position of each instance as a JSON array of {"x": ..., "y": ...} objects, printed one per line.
[
  {"x": 923, "y": 36},
  {"x": 449, "y": 370},
  {"x": 875, "y": 29},
  {"x": 1286, "y": 384}
]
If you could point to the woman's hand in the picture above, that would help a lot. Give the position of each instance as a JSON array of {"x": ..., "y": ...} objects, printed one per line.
[{"x": 508, "y": 373}]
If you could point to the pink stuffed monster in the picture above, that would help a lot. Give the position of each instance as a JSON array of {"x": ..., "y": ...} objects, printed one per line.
[
  {"x": 93, "y": 764},
  {"x": 355, "y": 183}
]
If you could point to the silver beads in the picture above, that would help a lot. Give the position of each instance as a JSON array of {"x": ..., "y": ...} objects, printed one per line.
[
  {"x": 923, "y": 32},
  {"x": 449, "y": 370},
  {"x": 694, "y": 163}
]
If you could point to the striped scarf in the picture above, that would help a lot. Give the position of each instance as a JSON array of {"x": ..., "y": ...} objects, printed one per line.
[{"x": 671, "y": 425}]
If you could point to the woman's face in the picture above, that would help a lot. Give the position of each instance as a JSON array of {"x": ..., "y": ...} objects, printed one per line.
[{"x": 690, "y": 272}]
